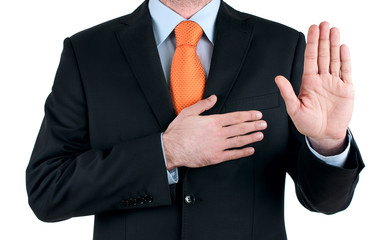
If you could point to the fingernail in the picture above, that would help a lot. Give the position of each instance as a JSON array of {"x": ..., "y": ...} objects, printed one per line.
[
  {"x": 259, "y": 114},
  {"x": 260, "y": 135},
  {"x": 263, "y": 124},
  {"x": 212, "y": 97}
]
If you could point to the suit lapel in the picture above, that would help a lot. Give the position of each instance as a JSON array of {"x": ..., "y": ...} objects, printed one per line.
[
  {"x": 233, "y": 37},
  {"x": 137, "y": 41}
]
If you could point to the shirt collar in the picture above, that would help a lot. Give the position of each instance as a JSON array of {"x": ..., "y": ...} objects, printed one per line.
[{"x": 165, "y": 19}]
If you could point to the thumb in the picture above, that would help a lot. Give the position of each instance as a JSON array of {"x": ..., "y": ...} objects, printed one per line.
[
  {"x": 201, "y": 106},
  {"x": 287, "y": 92}
]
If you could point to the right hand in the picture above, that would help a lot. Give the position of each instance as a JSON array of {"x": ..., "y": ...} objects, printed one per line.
[{"x": 196, "y": 141}]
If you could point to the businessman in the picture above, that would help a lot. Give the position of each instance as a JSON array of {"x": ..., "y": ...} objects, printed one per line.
[{"x": 181, "y": 120}]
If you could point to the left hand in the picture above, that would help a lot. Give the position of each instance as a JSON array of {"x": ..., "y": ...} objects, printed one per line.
[{"x": 323, "y": 109}]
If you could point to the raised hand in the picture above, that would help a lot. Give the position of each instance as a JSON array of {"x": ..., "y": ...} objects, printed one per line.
[
  {"x": 194, "y": 141},
  {"x": 323, "y": 109}
]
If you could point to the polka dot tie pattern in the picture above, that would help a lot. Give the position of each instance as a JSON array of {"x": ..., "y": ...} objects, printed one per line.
[{"x": 187, "y": 80}]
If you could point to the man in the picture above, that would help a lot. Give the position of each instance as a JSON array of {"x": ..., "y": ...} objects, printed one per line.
[{"x": 115, "y": 143}]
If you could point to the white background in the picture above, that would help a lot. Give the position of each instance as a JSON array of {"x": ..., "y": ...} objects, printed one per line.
[{"x": 31, "y": 35}]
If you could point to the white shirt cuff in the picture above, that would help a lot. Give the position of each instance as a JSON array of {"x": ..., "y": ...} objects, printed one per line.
[
  {"x": 336, "y": 160},
  {"x": 172, "y": 176}
]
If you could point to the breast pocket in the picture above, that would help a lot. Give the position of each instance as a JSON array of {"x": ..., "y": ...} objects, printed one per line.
[{"x": 259, "y": 102}]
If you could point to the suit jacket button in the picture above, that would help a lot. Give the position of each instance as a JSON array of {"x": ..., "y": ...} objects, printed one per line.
[
  {"x": 125, "y": 203},
  {"x": 189, "y": 199},
  {"x": 148, "y": 198},
  {"x": 133, "y": 201},
  {"x": 141, "y": 200}
]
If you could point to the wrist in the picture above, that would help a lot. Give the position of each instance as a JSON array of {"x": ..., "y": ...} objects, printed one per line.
[
  {"x": 328, "y": 146},
  {"x": 170, "y": 165}
]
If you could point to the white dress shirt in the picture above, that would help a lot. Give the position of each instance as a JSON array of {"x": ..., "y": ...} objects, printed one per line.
[{"x": 165, "y": 20}]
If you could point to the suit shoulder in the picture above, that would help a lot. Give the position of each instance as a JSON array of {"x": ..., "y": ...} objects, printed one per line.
[
  {"x": 264, "y": 26},
  {"x": 263, "y": 23},
  {"x": 97, "y": 31},
  {"x": 107, "y": 29}
]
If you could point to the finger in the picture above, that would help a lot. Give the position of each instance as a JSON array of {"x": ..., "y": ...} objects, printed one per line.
[
  {"x": 200, "y": 107},
  {"x": 244, "y": 128},
  {"x": 310, "y": 61},
  {"x": 233, "y": 118},
  {"x": 240, "y": 141},
  {"x": 324, "y": 48},
  {"x": 335, "y": 63},
  {"x": 237, "y": 153},
  {"x": 291, "y": 101},
  {"x": 345, "y": 64}
]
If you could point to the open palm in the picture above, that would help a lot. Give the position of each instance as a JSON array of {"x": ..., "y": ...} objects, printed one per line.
[{"x": 323, "y": 109}]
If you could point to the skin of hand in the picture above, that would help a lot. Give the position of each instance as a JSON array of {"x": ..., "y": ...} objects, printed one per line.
[
  {"x": 323, "y": 109},
  {"x": 192, "y": 140}
]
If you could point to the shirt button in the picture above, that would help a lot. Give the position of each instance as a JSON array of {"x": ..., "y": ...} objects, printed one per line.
[{"x": 189, "y": 199}]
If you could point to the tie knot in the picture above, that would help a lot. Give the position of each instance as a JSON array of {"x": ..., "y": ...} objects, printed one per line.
[{"x": 188, "y": 33}]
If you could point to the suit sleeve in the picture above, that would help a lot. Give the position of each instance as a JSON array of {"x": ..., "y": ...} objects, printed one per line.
[
  {"x": 66, "y": 177},
  {"x": 320, "y": 187}
]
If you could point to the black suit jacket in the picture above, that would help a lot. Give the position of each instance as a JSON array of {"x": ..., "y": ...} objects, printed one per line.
[{"x": 99, "y": 149}]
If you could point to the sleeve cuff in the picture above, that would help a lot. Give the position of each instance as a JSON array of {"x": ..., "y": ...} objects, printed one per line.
[
  {"x": 172, "y": 176},
  {"x": 336, "y": 160}
]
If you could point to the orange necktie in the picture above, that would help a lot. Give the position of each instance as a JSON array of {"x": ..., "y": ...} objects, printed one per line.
[{"x": 187, "y": 75}]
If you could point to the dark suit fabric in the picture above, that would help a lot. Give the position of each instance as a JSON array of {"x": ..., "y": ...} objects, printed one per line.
[{"x": 99, "y": 149}]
